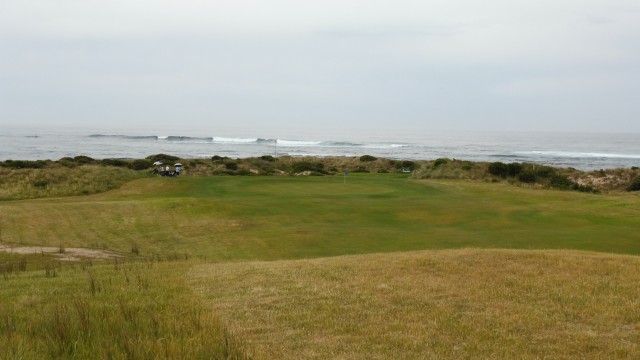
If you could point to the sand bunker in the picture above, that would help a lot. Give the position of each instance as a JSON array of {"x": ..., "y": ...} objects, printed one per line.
[{"x": 68, "y": 254}]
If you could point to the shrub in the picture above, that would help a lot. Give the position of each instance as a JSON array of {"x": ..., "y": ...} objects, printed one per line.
[
  {"x": 162, "y": 157},
  {"x": 561, "y": 182},
  {"x": 408, "y": 164},
  {"x": 268, "y": 158},
  {"x": 81, "y": 159},
  {"x": 635, "y": 184},
  {"x": 140, "y": 164},
  {"x": 366, "y": 158},
  {"x": 545, "y": 171},
  {"x": 440, "y": 161},
  {"x": 527, "y": 177},
  {"x": 231, "y": 166},
  {"x": 67, "y": 162},
  {"x": 498, "y": 169},
  {"x": 307, "y": 166},
  {"x": 24, "y": 164},
  {"x": 219, "y": 159},
  {"x": 113, "y": 162},
  {"x": 513, "y": 169}
]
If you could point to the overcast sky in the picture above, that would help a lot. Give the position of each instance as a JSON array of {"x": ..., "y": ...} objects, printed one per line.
[{"x": 438, "y": 64}]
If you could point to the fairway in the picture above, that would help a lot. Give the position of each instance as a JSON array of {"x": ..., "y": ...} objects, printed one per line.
[{"x": 267, "y": 218}]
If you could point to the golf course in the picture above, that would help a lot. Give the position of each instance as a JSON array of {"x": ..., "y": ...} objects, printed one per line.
[{"x": 358, "y": 266}]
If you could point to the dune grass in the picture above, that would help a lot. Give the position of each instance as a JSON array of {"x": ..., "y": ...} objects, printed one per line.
[
  {"x": 449, "y": 304},
  {"x": 16, "y": 184}
]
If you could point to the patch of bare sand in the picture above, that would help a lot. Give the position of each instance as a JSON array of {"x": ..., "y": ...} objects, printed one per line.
[{"x": 67, "y": 254}]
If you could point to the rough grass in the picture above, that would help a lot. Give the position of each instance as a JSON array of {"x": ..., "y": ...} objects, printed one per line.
[
  {"x": 451, "y": 304},
  {"x": 61, "y": 181},
  {"x": 117, "y": 311}
]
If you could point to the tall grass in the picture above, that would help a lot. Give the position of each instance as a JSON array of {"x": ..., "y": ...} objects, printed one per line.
[
  {"x": 61, "y": 181},
  {"x": 132, "y": 311}
]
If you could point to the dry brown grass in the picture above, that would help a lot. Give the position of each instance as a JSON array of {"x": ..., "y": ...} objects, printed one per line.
[{"x": 451, "y": 304}]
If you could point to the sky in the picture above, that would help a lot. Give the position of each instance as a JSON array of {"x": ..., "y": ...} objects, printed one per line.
[{"x": 517, "y": 65}]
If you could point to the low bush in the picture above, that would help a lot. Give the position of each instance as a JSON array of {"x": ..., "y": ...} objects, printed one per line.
[
  {"x": 302, "y": 166},
  {"x": 527, "y": 176},
  {"x": 439, "y": 162},
  {"x": 162, "y": 157},
  {"x": 82, "y": 159},
  {"x": 635, "y": 184},
  {"x": 268, "y": 158},
  {"x": 140, "y": 164},
  {"x": 367, "y": 158},
  {"x": 24, "y": 164},
  {"x": 408, "y": 164},
  {"x": 231, "y": 166},
  {"x": 113, "y": 162},
  {"x": 505, "y": 170}
]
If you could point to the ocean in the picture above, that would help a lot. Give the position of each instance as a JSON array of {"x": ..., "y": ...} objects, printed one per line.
[{"x": 584, "y": 151}]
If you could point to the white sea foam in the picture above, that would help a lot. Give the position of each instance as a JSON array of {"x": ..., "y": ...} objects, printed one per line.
[
  {"x": 298, "y": 143},
  {"x": 570, "y": 154},
  {"x": 234, "y": 140}
]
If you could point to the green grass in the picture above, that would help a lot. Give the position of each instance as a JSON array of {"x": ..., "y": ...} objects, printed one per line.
[
  {"x": 224, "y": 220},
  {"x": 231, "y": 218}
]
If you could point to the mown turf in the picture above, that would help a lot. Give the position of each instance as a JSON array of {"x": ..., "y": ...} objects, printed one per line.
[{"x": 223, "y": 218}]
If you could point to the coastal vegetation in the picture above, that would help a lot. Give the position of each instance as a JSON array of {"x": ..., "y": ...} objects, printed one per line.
[
  {"x": 82, "y": 175},
  {"x": 450, "y": 261}
]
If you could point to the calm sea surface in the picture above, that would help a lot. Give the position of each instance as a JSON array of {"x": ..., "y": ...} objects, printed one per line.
[{"x": 581, "y": 151}]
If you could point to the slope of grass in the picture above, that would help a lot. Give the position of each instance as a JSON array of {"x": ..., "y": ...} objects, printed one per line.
[
  {"x": 18, "y": 184},
  {"x": 293, "y": 217},
  {"x": 450, "y": 304},
  {"x": 147, "y": 310}
]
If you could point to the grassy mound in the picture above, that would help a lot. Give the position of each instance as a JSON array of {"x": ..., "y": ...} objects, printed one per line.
[{"x": 451, "y": 304}]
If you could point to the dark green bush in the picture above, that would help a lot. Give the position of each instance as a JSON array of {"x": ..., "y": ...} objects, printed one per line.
[
  {"x": 24, "y": 164},
  {"x": 505, "y": 170},
  {"x": 561, "y": 182},
  {"x": 513, "y": 169},
  {"x": 366, "y": 158},
  {"x": 140, "y": 164},
  {"x": 439, "y": 162},
  {"x": 268, "y": 158},
  {"x": 307, "y": 166},
  {"x": 113, "y": 162},
  {"x": 527, "y": 176},
  {"x": 67, "y": 162},
  {"x": 635, "y": 184},
  {"x": 82, "y": 159},
  {"x": 162, "y": 157},
  {"x": 544, "y": 171},
  {"x": 498, "y": 169},
  {"x": 408, "y": 164},
  {"x": 219, "y": 159},
  {"x": 231, "y": 166}
]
